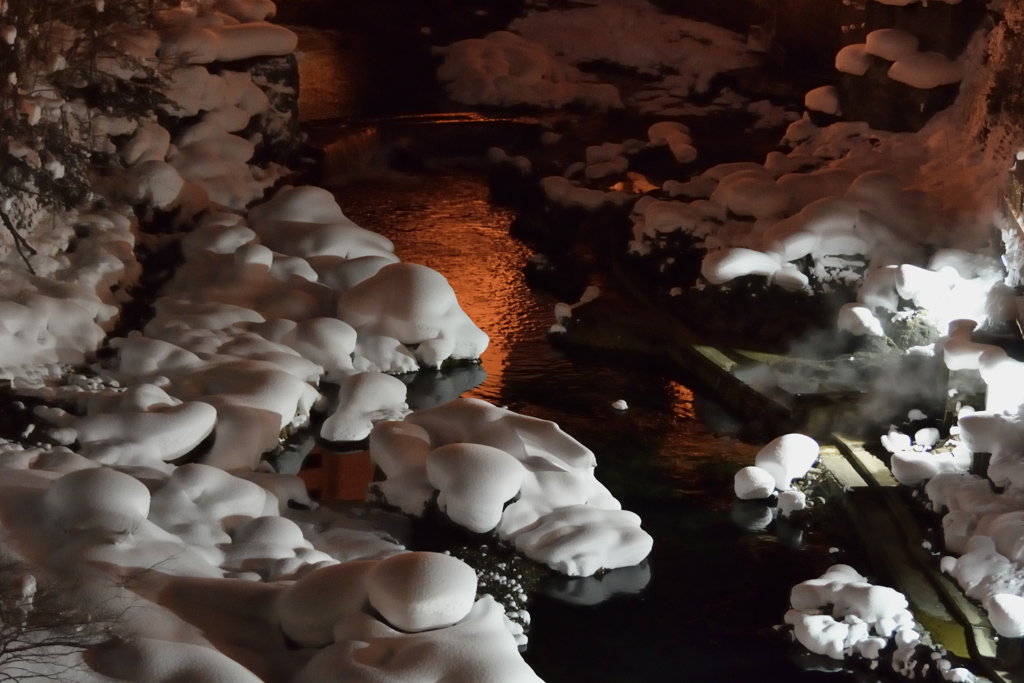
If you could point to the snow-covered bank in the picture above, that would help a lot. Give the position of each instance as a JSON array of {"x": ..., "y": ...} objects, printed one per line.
[
  {"x": 536, "y": 61},
  {"x": 156, "y": 493}
]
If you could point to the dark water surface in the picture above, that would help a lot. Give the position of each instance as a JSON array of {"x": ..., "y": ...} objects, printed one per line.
[{"x": 715, "y": 590}]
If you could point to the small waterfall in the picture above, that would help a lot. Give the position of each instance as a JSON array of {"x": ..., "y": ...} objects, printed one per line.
[{"x": 350, "y": 154}]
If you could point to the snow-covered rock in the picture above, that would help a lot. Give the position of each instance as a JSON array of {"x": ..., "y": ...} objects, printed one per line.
[
  {"x": 419, "y": 591},
  {"x": 788, "y": 457},
  {"x": 365, "y": 398},
  {"x": 753, "y": 483}
]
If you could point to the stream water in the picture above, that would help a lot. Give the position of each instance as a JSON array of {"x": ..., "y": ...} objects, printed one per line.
[{"x": 703, "y": 606}]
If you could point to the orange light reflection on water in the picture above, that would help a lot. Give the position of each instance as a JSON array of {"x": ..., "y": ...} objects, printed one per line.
[
  {"x": 701, "y": 464},
  {"x": 682, "y": 401},
  {"x": 447, "y": 223}
]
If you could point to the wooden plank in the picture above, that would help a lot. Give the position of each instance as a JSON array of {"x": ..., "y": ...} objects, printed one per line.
[
  {"x": 834, "y": 461},
  {"x": 888, "y": 551},
  {"x": 873, "y": 469},
  {"x": 723, "y": 362}
]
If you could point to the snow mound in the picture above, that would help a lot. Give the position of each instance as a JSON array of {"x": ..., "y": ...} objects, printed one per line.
[
  {"x": 635, "y": 34},
  {"x": 146, "y": 436},
  {"x": 503, "y": 69},
  {"x": 365, "y": 398},
  {"x": 562, "y": 191},
  {"x": 307, "y": 222},
  {"x": 925, "y": 70},
  {"x": 97, "y": 498},
  {"x": 40, "y": 330},
  {"x": 753, "y": 483},
  {"x": 722, "y": 266},
  {"x": 563, "y": 516},
  {"x": 676, "y": 136},
  {"x": 309, "y": 608},
  {"x": 824, "y": 99},
  {"x": 202, "y": 504},
  {"x": 419, "y": 591},
  {"x": 478, "y": 648},
  {"x": 858, "y": 319},
  {"x": 474, "y": 482},
  {"x": 1006, "y": 612},
  {"x": 864, "y": 616},
  {"x": 788, "y": 457},
  {"x": 580, "y": 540},
  {"x": 228, "y": 42},
  {"x": 415, "y": 305},
  {"x": 167, "y": 661}
]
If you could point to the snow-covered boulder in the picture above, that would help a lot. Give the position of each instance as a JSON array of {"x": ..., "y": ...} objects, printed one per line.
[
  {"x": 478, "y": 648},
  {"x": 145, "y": 437},
  {"x": 419, "y": 591},
  {"x": 676, "y": 137},
  {"x": 580, "y": 540},
  {"x": 563, "y": 516},
  {"x": 504, "y": 69},
  {"x": 474, "y": 482},
  {"x": 1006, "y": 611},
  {"x": 415, "y": 305},
  {"x": 753, "y": 483},
  {"x": 788, "y": 457},
  {"x": 309, "y": 608},
  {"x": 97, "y": 498},
  {"x": 365, "y": 398}
]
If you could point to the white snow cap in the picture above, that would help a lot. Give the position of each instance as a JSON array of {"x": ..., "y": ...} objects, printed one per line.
[
  {"x": 420, "y": 590},
  {"x": 788, "y": 457},
  {"x": 722, "y": 266},
  {"x": 891, "y": 43},
  {"x": 792, "y": 501},
  {"x": 753, "y": 483},
  {"x": 925, "y": 70},
  {"x": 474, "y": 482},
  {"x": 864, "y": 616},
  {"x": 97, "y": 498},
  {"x": 415, "y": 305},
  {"x": 858, "y": 319},
  {"x": 824, "y": 99},
  {"x": 230, "y": 42},
  {"x": 563, "y": 517},
  {"x": 1006, "y": 611},
  {"x": 853, "y": 59},
  {"x": 309, "y": 608},
  {"x": 676, "y": 136},
  {"x": 365, "y": 398},
  {"x": 504, "y": 69},
  {"x": 478, "y": 648}
]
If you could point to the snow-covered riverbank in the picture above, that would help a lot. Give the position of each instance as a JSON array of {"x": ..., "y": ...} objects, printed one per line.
[{"x": 141, "y": 476}]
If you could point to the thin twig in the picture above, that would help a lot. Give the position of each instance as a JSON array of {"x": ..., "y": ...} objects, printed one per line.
[{"x": 20, "y": 243}]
